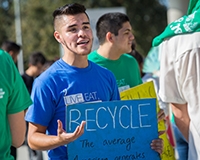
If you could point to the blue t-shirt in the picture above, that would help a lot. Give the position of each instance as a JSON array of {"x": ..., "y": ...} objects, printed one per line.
[{"x": 61, "y": 85}]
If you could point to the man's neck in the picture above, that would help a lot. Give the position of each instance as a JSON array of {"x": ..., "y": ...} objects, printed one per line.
[
  {"x": 79, "y": 61},
  {"x": 30, "y": 72},
  {"x": 108, "y": 52}
]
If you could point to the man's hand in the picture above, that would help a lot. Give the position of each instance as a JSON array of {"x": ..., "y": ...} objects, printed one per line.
[
  {"x": 157, "y": 145},
  {"x": 161, "y": 115},
  {"x": 65, "y": 137}
]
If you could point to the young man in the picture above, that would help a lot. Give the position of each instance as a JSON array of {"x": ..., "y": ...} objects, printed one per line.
[
  {"x": 68, "y": 81},
  {"x": 12, "y": 48},
  {"x": 71, "y": 76},
  {"x": 115, "y": 37},
  {"x": 35, "y": 68},
  {"x": 180, "y": 74},
  {"x": 14, "y": 99}
]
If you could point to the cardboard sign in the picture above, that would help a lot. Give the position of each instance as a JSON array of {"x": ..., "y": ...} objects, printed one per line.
[
  {"x": 147, "y": 90},
  {"x": 114, "y": 130}
]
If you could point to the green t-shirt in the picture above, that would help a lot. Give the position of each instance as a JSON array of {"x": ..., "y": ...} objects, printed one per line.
[
  {"x": 189, "y": 23},
  {"x": 14, "y": 97},
  {"x": 125, "y": 69}
]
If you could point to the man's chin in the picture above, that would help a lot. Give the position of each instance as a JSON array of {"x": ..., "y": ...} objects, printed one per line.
[
  {"x": 129, "y": 50},
  {"x": 85, "y": 53}
]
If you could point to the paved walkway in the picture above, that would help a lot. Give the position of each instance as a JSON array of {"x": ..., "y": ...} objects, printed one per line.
[{"x": 22, "y": 153}]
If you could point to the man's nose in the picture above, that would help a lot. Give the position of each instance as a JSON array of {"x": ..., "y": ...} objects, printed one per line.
[
  {"x": 81, "y": 33},
  {"x": 132, "y": 36}
]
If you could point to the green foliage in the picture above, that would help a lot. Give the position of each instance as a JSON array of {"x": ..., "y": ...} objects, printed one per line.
[
  {"x": 7, "y": 23},
  {"x": 148, "y": 19},
  {"x": 38, "y": 29}
]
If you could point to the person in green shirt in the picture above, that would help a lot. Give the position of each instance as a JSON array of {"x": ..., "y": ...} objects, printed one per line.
[
  {"x": 115, "y": 37},
  {"x": 14, "y": 100},
  {"x": 13, "y": 49}
]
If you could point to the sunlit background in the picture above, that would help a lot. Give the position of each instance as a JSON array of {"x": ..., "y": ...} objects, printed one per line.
[{"x": 29, "y": 22}]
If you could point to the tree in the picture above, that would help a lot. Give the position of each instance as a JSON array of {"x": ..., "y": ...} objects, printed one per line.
[
  {"x": 148, "y": 19},
  {"x": 37, "y": 28},
  {"x": 7, "y": 20}
]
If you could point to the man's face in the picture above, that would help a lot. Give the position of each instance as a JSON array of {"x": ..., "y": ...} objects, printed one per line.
[
  {"x": 74, "y": 33},
  {"x": 124, "y": 39}
]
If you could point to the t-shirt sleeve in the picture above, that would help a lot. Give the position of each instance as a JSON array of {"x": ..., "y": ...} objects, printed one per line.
[
  {"x": 41, "y": 111},
  {"x": 19, "y": 99}
]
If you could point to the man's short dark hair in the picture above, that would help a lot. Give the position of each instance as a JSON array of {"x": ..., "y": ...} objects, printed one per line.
[
  {"x": 69, "y": 9},
  {"x": 110, "y": 22},
  {"x": 10, "y": 46},
  {"x": 37, "y": 57}
]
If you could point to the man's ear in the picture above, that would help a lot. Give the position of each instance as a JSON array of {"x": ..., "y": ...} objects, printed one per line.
[
  {"x": 11, "y": 53},
  {"x": 109, "y": 37},
  {"x": 57, "y": 36}
]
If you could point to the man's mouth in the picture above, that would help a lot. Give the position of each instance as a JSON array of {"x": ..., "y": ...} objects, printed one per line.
[{"x": 83, "y": 42}]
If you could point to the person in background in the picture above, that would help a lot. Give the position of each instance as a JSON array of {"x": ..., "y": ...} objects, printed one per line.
[
  {"x": 115, "y": 37},
  {"x": 14, "y": 100},
  {"x": 138, "y": 57},
  {"x": 151, "y": 68},
  {"x": 179, "y": 46},
  {"x": 114, "y": 33},
  {"x": 13, "y": 49},
  {"x": 47, "y": 64},
  {"x": 35, "y": 68},
  {"x": 150, "y": 71}
]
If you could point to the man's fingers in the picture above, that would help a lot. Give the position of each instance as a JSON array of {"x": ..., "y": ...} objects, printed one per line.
[
  {"x": 60, "y": 126},
  {"x": 157, "y": 145},
  {"x": 161, "y": 115},
  {"x": 80, "y": 129}
]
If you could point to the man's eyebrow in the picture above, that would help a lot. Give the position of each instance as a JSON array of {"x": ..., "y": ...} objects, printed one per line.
[
  {"x": 129, "y": 30},
  {"x": 73, "y": 25},
  {"x": 86, "y": 22}
]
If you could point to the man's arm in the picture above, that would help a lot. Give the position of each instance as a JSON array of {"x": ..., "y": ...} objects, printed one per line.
[
  {"x": 38, "y": 140},
  {"x": 182, "y": 118},
  {"x": 18, "y": 128}
]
